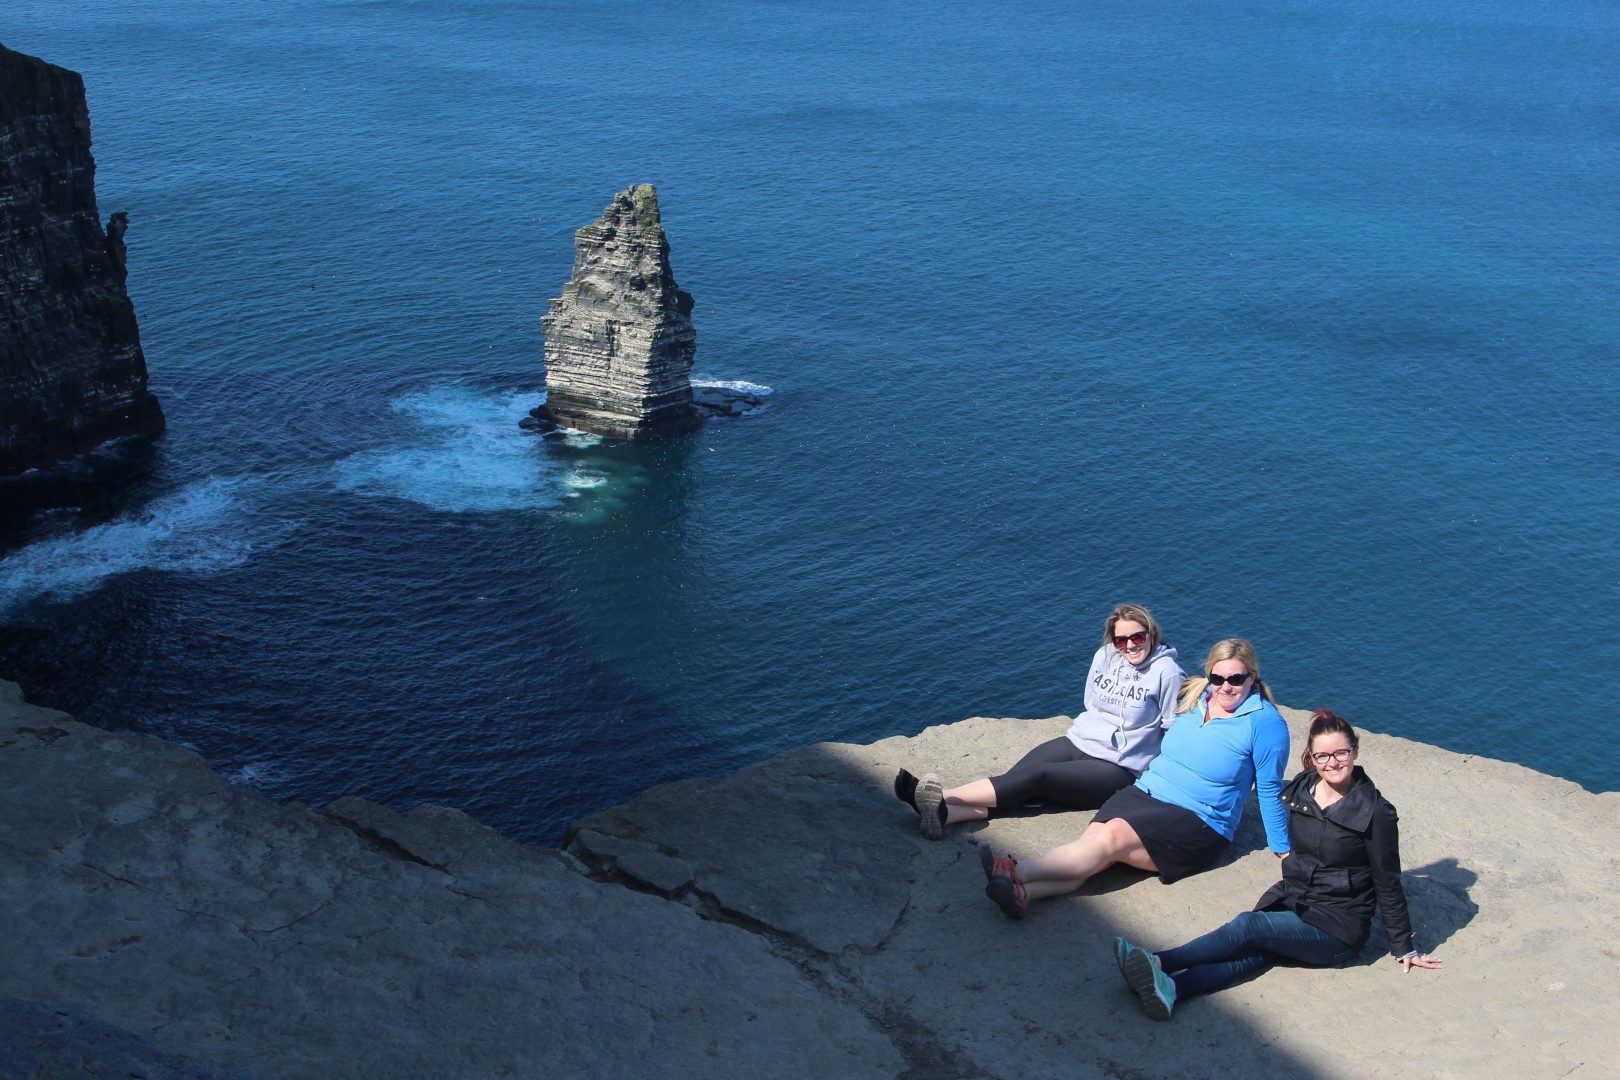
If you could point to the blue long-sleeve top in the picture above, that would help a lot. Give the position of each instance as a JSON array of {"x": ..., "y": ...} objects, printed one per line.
[{"x": 1208, "y": 767}]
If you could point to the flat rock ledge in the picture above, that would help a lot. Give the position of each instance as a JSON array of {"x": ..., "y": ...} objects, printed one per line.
[{"x": 787, "y": 920}]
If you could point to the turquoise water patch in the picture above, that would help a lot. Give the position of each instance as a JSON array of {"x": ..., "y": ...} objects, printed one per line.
[{"x": 460, "y": 450}]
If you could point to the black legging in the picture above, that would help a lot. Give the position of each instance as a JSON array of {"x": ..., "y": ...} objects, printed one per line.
[{"x": 1060, "y": 772}]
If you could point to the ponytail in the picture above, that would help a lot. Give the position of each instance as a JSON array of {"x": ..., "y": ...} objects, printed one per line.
[{"x": 1327, "y": 722}]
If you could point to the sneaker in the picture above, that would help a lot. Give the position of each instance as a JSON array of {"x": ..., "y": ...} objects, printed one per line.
[
  {"x": 905, "y": 788},
  {"x": 1156, "y": 989},
  {"x": 996, "y": 865},
  {"x": 931, "y": 808},
  {"x": 1122, "y": 949},
  {"x": 1010, "y": 896}
]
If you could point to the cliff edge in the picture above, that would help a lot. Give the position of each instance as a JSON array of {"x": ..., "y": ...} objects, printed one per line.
[
  {"x": 72, "y": 374},
  {"x": 784, "y": 919}
]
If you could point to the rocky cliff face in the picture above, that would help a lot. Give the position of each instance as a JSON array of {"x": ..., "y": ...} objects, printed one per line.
[
  {"x": 619, "y": 341},
  {"x": 72, "y": 373},
  {"x": 165, "y": 923}
]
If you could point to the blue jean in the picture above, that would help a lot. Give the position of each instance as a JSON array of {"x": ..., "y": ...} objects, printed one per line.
[{"x": 1251, "y": 942}]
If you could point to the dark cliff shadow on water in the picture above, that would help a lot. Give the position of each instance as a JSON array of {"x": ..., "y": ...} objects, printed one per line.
[
  {"x": 94, "y": 487},
  {"x": 450, "y": 658}
]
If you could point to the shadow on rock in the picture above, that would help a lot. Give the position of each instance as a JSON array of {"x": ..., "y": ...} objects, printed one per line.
[{"x": 1438, "y": 897}]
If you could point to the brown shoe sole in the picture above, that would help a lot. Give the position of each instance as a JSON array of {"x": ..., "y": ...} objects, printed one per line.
[{"x": 930, "y": 794}]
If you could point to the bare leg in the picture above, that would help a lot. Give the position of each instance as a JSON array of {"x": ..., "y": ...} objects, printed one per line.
[
  {"x": 1067, "y": 867},
  {"x": 934, "y": 809},
  {"x": 976, "y": 793},
  {"x": 969, "y": 802}
]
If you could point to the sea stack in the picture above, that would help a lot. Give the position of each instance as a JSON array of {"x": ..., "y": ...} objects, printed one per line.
[
  {"x": 72, "y": 374},
  {"x": 619, "y": 341}
]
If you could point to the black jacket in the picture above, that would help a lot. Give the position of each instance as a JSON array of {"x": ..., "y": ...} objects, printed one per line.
[{"x": 1343, "y": 859}]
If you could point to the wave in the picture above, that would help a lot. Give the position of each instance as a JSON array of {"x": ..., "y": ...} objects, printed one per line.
[
  {"x": 740, "y": 385},
  {"x": 579, "y": 480},
  {"x": 265, "y": 777},
  {"x": 198, "y": 529},
  {"x": 464, "y": 453}
]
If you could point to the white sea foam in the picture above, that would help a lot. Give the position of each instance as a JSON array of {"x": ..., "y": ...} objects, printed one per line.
[
  {"x": 261, "y": 776},
  {"x": 460, "y": 451},
  {"x": 581, "y": 480},
  {"x": 195, "y": 530},
  {"x": 742, "y": 386}
]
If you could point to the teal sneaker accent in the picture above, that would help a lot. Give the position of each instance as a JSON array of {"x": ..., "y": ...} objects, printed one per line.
[
  {"x": 1156, "y": 990},
  {"x": 1122, "y": 949}
]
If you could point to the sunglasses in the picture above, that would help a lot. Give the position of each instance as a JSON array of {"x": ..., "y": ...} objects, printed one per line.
[
  {"x": 1122, "y": 640},
  {"x": 1235, "y": 680}
]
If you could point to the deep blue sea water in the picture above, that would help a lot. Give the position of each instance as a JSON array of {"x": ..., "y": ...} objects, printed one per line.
[{"x": 1293, "y": 320}]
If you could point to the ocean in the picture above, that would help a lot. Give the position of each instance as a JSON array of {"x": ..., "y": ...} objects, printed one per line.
[{"x": 1296, "y": 321}]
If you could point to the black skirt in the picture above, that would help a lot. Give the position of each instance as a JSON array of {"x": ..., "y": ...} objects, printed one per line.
[{"x": 1177, "y": 840}]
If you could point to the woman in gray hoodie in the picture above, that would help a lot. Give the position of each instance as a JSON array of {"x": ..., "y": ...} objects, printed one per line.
[{"x": 1130, "y": 699}]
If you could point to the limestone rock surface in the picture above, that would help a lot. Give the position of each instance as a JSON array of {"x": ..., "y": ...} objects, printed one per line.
[
  {"x": 144, "y": 890},
  {"x": 72, "y": 374},
  {"x": 787, "y": 919},
  {"x": 77, "y": 1046},
  {"x": 619, "y": 341},
  {"x": 1508, "y": 873}
]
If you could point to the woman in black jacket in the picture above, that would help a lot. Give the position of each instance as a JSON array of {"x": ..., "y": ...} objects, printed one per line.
[{"x": 1345, "y": 856}]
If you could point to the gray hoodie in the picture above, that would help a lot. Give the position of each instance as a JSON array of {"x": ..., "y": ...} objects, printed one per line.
[{"x": 1127, "y": 708}]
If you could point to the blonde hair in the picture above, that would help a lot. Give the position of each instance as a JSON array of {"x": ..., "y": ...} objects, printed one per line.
[
  {"x": 1230, "y": 649},
  {"x": 1135, "y": 613}
]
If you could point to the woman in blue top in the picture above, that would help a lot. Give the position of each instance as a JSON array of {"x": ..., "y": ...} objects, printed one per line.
[
  {"x": 1346, "y": 861},
  {"x": 1182, "y": 812}
]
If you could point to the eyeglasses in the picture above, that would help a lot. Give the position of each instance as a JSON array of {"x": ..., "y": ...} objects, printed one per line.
[
  {"x": 1122, "y": 640},
  {"x": 1333, "y": 755},
  {"x": 1222, "y": 680}
]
